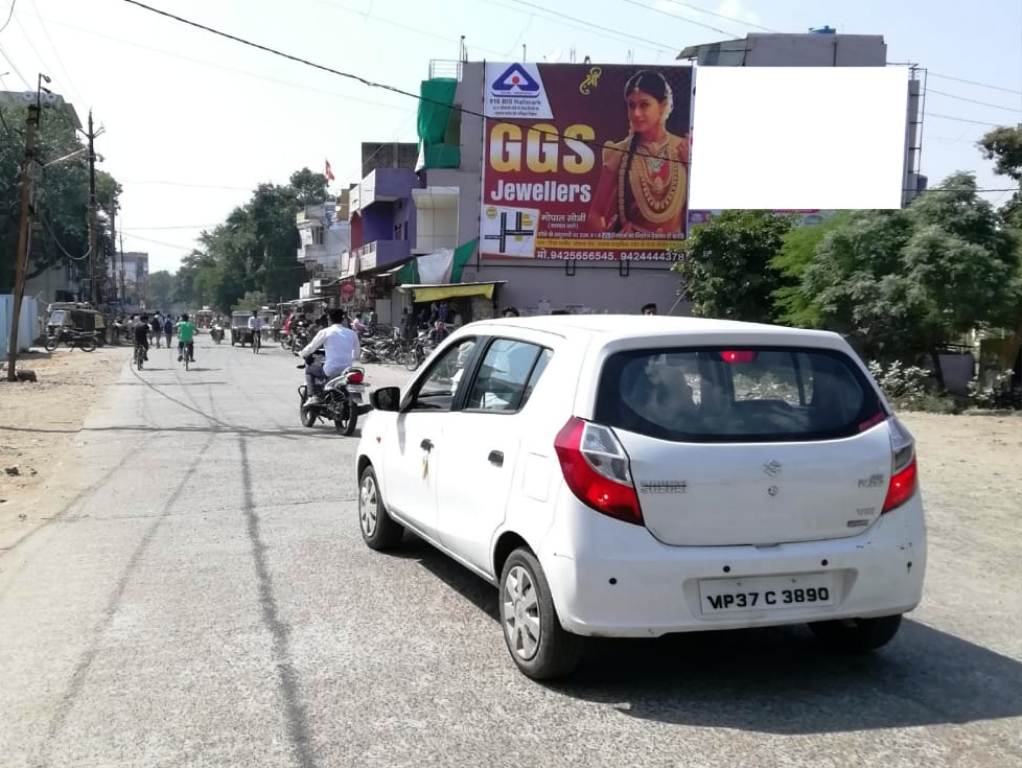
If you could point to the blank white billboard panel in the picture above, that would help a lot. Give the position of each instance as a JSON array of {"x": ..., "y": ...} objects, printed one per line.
[{"x": 798, "y": 138}]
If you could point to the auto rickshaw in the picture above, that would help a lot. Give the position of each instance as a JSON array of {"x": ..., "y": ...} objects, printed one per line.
[
  {"x": 240, "y": 332},
  {"x": 76, "y": 316}
]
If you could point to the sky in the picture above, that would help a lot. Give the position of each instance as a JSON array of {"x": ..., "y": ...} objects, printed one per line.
[{"x": 193, "y": 122}]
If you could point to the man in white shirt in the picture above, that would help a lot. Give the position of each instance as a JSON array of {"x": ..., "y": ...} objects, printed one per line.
[
  {"x": 255, "y": 324},
  {"x": 342, "y": 349}
]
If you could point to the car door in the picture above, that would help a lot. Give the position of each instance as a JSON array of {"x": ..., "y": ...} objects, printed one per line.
[
  {"x": 481, "y": 440},
  {"x": 413, "y": 448}
]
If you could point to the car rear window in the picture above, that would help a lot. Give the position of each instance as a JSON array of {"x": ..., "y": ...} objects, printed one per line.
[{"x": 743, "y": 394}]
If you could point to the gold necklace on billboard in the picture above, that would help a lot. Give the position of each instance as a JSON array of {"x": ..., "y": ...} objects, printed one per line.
[{"x": 656, "y": 183}]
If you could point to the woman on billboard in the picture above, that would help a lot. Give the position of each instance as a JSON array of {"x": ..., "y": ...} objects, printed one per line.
[{"x": 644, "y": 183}]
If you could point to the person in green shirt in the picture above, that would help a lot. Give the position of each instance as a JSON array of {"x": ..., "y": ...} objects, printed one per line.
[{"x": 185, "y": 339}]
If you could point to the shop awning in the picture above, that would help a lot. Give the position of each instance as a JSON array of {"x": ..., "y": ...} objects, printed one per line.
[{"x": 439, "y": 292}]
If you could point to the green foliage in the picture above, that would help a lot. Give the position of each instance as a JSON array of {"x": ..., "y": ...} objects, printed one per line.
[
  {"x": 161, "y": 289},
  {"x": 725, "y": 268},
  {"x": 798, "y": 251},
  {"x": 251, "y": 300},
  {"x": 252, "y": 251},
  {"x": 309, "y": 187},
  {"x": 910, "y": 388},
  {"x": 61, "y": 194},
  {"x": 905, "y": 282},
  {"x": 1004, "y": 146}
]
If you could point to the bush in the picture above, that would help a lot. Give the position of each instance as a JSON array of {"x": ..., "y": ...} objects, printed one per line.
[
  {"x": 996, "y": 392},
  {"x": 911, "y": 388}
]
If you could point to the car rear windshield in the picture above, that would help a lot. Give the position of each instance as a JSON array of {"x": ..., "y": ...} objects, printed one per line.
[{"x": 749, "y": 394}]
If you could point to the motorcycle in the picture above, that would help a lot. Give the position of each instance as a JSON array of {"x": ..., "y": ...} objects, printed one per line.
[
  {"x": 342, "y": 399},
  {"x": 216, "y": 333},
  {"x": 84, "y": 340}
]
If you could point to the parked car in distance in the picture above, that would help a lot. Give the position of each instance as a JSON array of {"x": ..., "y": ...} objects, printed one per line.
[{"x": 637, "y": 476}]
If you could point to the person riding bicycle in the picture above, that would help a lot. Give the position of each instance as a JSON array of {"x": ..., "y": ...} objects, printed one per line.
[
  {"x": 185, "y": 339},
  {"x": 140, "y": 331},
  {"x": 255, "y": 324},
  {"x": 342, "y": 349}
]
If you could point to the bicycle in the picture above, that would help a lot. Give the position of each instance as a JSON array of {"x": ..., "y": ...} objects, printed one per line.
[
  {"x": 186, "y": 352},
  {"x": 139, "y": 356}
]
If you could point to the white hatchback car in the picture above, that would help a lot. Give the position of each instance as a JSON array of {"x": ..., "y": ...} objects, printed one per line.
[{"x": 622, "y": 476}]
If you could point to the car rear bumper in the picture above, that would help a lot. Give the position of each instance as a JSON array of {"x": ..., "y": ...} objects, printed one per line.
[{"x": 647, "y": 588}]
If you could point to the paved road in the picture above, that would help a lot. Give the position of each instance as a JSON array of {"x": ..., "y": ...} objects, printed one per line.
[{"x": 207, "y": 601}]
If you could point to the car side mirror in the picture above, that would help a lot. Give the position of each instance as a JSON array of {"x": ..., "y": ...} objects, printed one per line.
[{"x": 386, "y": 399}]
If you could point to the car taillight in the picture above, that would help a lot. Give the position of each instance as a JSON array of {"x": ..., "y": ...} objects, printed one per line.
[
  {"x": 355, "y": 377},
  {"x": 596, "y": 469},
  {"x": 904, "y": 474}
]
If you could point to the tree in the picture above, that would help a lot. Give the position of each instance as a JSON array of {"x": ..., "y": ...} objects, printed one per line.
[
  {"x": 907, "y": 282},
  {"x": 725, "y": 269},
  {"x": 253, "y": 250},
  {"x": 251, "y": 300},
  {"x": 1004, "y": 146},
  {"x": 161, "y": 289},
  {"x": 309, "y": 187},
  {"x": 61, "y": 196},
  {"x": 798, "y": 251}
]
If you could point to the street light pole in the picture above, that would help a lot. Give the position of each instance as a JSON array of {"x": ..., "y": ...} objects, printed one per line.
[{"x": 24, "y": 225}]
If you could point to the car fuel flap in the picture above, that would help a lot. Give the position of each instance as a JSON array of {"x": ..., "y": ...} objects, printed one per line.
[{"x": 708, "y": 494}]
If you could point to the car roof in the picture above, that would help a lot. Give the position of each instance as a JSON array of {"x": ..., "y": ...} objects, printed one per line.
[{"x": 612, "y": 327}]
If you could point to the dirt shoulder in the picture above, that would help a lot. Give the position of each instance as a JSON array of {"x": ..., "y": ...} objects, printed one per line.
[{"x": 39, "y": 422}]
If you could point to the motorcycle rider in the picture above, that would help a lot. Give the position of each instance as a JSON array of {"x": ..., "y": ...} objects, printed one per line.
[{"x": 342, "y": 349}]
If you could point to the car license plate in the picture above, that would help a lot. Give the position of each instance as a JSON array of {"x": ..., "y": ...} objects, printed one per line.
[{"x": 766, "y": 593}]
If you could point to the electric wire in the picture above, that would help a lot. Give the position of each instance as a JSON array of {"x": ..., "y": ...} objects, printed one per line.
[
  {"x": 9, "y": 16},
  {"x": 382, "y": 86}
]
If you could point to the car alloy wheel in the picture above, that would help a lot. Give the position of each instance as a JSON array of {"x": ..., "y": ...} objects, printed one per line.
[
  {"x": 379, "y": 530},
  {"x": 368, "y": 506},
  {"x": 522, "y": 622}
]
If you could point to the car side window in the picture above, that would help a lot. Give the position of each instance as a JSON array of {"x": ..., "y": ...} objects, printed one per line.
[
  {"x": 504, "y": 376},
  {"x": 436, "y": 393}
]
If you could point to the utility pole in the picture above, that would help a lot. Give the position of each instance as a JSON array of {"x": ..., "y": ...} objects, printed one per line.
[
  {"x": 92, "y": 213},
  {"x": 24, "y": 225},
  {"x": 124, "y": 288}
]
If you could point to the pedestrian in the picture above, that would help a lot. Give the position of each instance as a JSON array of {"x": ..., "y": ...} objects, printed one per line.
[
  {"x": 649, "y": 309},
  {"x": 408, "y": 323},
  {"x": 168, "y": 329},
  {"x": 442, "y": 312},
  {"x": 157, "y": 328}
]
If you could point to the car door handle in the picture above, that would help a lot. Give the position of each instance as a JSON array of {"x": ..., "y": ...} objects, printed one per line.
[
  {"x": 496, "y": 458},
  {"x": 426, "y": 445}
]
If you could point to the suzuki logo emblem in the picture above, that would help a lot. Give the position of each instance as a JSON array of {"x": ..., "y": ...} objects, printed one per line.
[{"x": 772, "y": 468}]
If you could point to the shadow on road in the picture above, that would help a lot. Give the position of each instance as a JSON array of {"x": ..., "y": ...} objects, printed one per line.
[{"x": 775, "y": 680}]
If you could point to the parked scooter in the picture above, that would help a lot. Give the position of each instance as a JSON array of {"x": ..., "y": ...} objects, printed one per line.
[{"x": 342, "y": 399}]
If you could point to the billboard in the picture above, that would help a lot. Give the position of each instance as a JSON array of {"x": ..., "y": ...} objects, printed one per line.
[
  {"x": 585, "y": 162},
  {"x": 824, "y": 137}
]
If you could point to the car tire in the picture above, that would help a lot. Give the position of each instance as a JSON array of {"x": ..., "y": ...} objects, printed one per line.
[
  {"x": 857, "y": 635},
  {"x": 379, "y": 530},
  {"x": 539, "y": 646}
]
